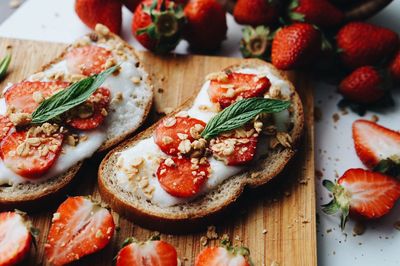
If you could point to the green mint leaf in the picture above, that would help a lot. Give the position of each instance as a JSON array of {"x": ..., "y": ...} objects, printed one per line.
[
  {"x": 67, "y": 99},
  {"x": 4, "y": 63},
  {"x": 240, "y": 113}
]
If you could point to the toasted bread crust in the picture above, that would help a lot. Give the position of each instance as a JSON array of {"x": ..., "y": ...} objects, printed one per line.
[
  {"x": 183, "y": 221},
  {"x": 56, "y": 187}
]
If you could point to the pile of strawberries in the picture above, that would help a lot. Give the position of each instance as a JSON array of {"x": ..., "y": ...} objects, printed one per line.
[{"x": 81, "y": 227}]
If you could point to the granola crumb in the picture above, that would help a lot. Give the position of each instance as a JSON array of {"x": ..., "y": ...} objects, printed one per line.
[
  {"x": 374, "y": 118},
  {"x": 358, "y": 229},
  {"x": 211, "y": 233},
  {"x": 203, "y": 241},
  {"x": 335, "y": 117}
]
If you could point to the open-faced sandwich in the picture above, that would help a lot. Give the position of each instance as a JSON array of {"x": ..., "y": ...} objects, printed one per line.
[
  {"x": 88, "y": 99},
  {"x": 240, "y": 130}
]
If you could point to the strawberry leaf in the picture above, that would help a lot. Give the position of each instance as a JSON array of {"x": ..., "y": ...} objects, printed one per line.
[
  {"x": 388, "y": 167},
  {"x": 329, "y": 185},
  {"x": 4, "y": 63},
  {"x": 240, "y": 113},
  {"x": 331, "y": 208},
  {"x": 344, "y": 217}
]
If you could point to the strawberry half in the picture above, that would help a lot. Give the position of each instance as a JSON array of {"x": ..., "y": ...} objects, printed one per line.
[
  {"x": 225, "y": 255},
  {"x": 363, "y": 193},
  {"x": 90, "y": 114},
  {"x": 183, "y": 177},
  {"x": 6, "y": 127},
  {"x": 88, "y": 60},
  {"x": 231, "y": 87},
  {"x": 15, "y": 238},
  {"x": 30, "y": 156},
  {"x": 173, "y": 130},
  {"x": 79, "y": 228},
  {"x": 153, "y": 252},
  {"x": 25, "y": 96},
  {"x": 256, "y": 12},
  {"x": 377, "y": 147}
]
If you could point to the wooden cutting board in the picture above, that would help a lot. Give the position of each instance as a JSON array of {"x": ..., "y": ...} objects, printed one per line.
[{"x": 277, "y": 222}]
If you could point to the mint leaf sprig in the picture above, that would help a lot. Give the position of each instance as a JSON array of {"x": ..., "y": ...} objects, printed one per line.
[
  {"x": 70, "y": 97},
  {"x": 4, "y": 63},
  {"x": 240, "y": 113}
]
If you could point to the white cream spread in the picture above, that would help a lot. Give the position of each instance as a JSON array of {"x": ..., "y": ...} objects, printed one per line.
[
  {"x": 127, "y": 111},
  {"x": 152, "y": 155}
]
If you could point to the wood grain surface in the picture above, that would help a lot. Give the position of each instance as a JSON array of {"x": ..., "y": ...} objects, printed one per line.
[{"x": 277, "y": 222}]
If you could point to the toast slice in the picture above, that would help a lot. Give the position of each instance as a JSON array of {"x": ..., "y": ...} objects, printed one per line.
[
  {"x": 125, "y": 116},
  {"x": 192, "y": 215}
]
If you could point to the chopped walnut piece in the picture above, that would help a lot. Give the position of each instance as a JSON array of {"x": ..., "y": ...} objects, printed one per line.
[
  {"x": 137, "y": 161},
  {"x": 185, "y": 146},
  {"x": 38, "y": 96},
  {"x": 101, "y": 29},
  {"x": 169, "y": 122},
  {"x": 211, "y": 233},
  {"x": 284, "y": 139},
  {"x": 20, "y": 119},
  {"x": 169, "y": 162}
]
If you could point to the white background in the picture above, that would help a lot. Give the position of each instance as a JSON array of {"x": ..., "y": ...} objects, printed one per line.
[{"x": 55, "y": 20}]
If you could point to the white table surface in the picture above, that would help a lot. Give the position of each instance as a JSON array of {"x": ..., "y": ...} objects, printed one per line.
[{"x": 55, "y": 20}]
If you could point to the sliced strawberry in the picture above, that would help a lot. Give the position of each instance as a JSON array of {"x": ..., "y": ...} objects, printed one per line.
[
  {"x": 6, "y": 127},
  {"x": 87, "y": 60},
  {"x": 91, "y": 113},
  {"x": 26, "y": 96},
  {"x": 30, "y": 157},
  {"x": 183, "y": 177},
  {"x": 362, "y": 192},
  {"x": 235, "y": 150},
  {"x": 149, "y": 253},
  {"x": 172, "y": 130},
  {"x": 79, "y": 228},
  {"x": 230, "y": 87},
  {"x": 15, "y": 238},
  {"x": 223, "y": 256},
  {"x": 375, "y": 143}
]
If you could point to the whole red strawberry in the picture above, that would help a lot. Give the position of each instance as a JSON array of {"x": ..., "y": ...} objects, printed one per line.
[
  {"x": 295, "y": 45},
  {"x": 363, "y": 85},
  {"x": 363, "y": 44},
  {"x": 394, "y": 67},
  {"x": 206, "y": 27},
  {"x": 106, "y": 12},
  {"x": 318, "y": 12},
  {"x": 256, "y": 12},
  {"x": 158, "y": 24}
]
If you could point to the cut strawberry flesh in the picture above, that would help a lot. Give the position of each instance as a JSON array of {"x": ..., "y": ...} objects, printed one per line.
[
  {"x": 92, "y": 113},
  {"x": 374, "y": 143},
  {"x": 167, "y": 133},
  {"x": 87, "y": 60},
  {"x": 6, "y": 127},
  {"x": 219, "y": 256},
  {"x": 234, "y": 86},
  {"x": 182, "y": 178},
  {"x": 372, "y": 194},
  {"x": 24, "y": 97},
  {"x": 151, "y": 253},
  {"x": 15, "y": 238},
  {"x": 30, "y": 157},
  {"x": 79, "y": 228},
  {"x": 242, "y": 150}
]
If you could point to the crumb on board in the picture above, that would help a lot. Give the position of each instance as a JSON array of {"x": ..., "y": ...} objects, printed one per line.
[
  {"x": 358, "y": 229},
  {"x": 14, "y": 3},
  {"x": 374, "y": 118},
  {"x": 335, "y": 117}
]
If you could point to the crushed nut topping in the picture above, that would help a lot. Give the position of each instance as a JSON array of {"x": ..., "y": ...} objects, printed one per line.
[
  {"x": 169, "y": 122},
  {"x": 101, "y": 29},
  {"x": 137, "y": 161},
  {"x": 38, "y": 96},
  {"x": 166, "y": 140},
  {"x": 284, "y": 139},
  {"x": 20, "y": 119},
  {"x": 220, "y": 76},
  {"x": 169, "y": 162},
  {"x": 185, "y": 146}
]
